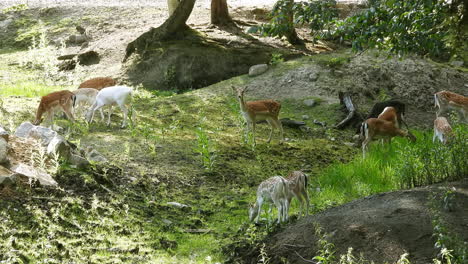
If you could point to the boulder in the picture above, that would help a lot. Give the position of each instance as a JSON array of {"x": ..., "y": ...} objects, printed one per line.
[
  {"x": 257, "y": 69},
  {"x": 78, "y": 161},
  {"x": 42, "y": 134},
  {"x": 309, "y": 102},
  {"x": 3, "y": 151},
  {"x": 6, "y": 177},
  {"x": 24, "y": 129},
  {"x": 34, "y": 174},
  {"x": 4, "y": 134},
  {"x": 94, "y": 156},
  {"x": 59, "y": 145}
]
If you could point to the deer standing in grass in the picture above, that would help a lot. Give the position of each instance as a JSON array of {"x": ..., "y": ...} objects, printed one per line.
[
  {"x": 98, "y": 83},
  {"x": 86, "y": 97},
  {"x": 385, "y": 127},
  {"x": 446, "y": 101},
  {"x": 442, "y": 130},
  {"x": 275, "y": 191},
  {"x": 260, "y": 110},
  {"x": 57, "y": 101},
  {"x": 297, "y": 185}
]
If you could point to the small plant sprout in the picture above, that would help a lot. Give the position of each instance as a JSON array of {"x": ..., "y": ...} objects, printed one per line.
[
  {"x": 276, "y": 58},
  {"x": 205, "y": 148}
]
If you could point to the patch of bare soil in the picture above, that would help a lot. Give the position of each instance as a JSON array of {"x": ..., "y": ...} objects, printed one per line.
[{"x": 381, "y": 227}]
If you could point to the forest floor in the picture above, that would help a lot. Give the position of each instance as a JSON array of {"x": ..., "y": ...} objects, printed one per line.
[{"x": 188, "y": 148}]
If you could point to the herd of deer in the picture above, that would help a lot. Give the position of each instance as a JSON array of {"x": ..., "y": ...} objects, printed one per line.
[{"x": 384, "y": 122}]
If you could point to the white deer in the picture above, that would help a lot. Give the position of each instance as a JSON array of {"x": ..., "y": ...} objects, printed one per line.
[
  {"x": 86, "y": 97},
  {"x": 273, "y": 190},
  {"x": 254, "y": 111},
  {"x": 109, "y": 96}
]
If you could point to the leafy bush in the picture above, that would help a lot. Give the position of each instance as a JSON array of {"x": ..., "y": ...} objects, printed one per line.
[
  {"x": 319, "y": 15},
  {"x": 401, "y": 27}
]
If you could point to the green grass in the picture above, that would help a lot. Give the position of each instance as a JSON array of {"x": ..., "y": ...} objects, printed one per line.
[{"x": 27, "y": 89}]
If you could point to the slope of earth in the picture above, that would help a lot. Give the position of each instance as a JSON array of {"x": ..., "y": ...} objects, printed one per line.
[{"x": 381, "y": 227}]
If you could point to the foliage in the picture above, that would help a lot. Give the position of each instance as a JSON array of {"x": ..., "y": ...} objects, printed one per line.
[
  {"x": 280, "y": 23},
  {"x": 276, "y": 58},
  {"x": 401, "y": 27},
  {"x": 205, "y": 148},
  {"x": 15, "y": 8},
  {"x": 319, "y": 15}
]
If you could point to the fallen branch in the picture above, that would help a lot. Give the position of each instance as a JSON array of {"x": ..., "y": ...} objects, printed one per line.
[{"x": 353, "y": 116}]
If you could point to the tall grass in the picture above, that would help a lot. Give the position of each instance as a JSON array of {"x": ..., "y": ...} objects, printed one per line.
[
  {"x": 400, "y": 165},
  {"x": 27, "y": 88}
]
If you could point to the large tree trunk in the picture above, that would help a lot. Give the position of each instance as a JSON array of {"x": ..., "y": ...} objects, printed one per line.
[
  {"x": 219, "y": 13},
  {"x": 173, "y": 28},
  {"x": 291, "y": 35}
]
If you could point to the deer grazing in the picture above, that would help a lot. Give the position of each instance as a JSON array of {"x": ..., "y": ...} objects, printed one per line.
[
  {"x": 446, "y": 101},
  {"x": 109, "y": 96},
  {"x": 442, "y": 130},
  {"x": 297, "y": 185},
  {"x": 98, "y": 83},
  {"x": 386, "y": 129},
  {"x": 57, "y": 101},
  {"x": 254, "y": 111},
  {"x": 379, "y": 107},
  {"x": 86, "y": 97},
  {"x": 273, "y": 190}
]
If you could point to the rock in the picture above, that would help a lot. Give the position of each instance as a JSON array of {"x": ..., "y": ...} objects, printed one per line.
[
  {"x": 78, "y": 162},
  {"x": 4, "y": 134},
  {"x": 167, "y": 222},
  {"x": 59, "y": 145},
  {"x": 305, "y": 117},
  {"x": 24, "y": 129},
  {"x": 42, "y": 134},
  {"x": 76, "y": 39},
  {"x": 34, "y": 174},
  {"x": 177, "y": 205},
  {"x": 457, "y": 63},
  {"x": 94, "y": 156},
  {"x": 3, "y": 151},
  {"x": 7, "y": 177},
  {"x": 324, "y": 124},
  {"x": 313, "y": 77},
  {"x": 89, "y": 58},
  {"x": 349, "y": 144},
  {"x": 257, "y": 69},
  {"x": 309, "y": 102}
]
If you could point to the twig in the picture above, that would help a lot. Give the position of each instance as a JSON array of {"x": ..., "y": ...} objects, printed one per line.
[
  {"x": 306, "y": 260},
  {"x": 298, "y": 246}
]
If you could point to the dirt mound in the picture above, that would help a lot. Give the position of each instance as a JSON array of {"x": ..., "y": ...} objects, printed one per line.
[{"x": 382, "y": 227}]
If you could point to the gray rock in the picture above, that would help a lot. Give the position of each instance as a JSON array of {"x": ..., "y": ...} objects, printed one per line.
[
  {"x": 94, "y": 156},
  {"x": 43, "y": 134},
  {"x": 313, "y": 76},
  {"x": 3, "y": 151},
  {"x": 167, "y": 222},
  {"x": 78, "y": 161},
  {"x": 305, "y": 117},
  {"x": 34, "y": 174},
  {"x": 24, "y": 129},
  {"x": 7, "y": 177},
  {"x": 4, "y": 134},
  {"x": 177, "y": 205},
  {"x": 309, "y": 102},
  {"x": 457, "y": 63},
  {"x": 349, "y": 144},
  {"x": 59, "y": 145},
  {"x": 257, "y": 69}
]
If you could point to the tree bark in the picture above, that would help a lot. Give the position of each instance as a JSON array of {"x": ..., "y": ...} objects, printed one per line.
[
  {"x": 353, "y": 115},
  {"x": 291, "y": 35},
  {"x": 220, "y": 13},
  {"x": 174, "y": 27}
]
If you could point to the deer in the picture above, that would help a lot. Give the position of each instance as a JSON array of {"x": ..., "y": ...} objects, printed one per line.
[
  {"x": 86, "y": 96},
  {"x": 273, "y": 190},
  {"x": 297, "y": 184},
  {"x": 446, "y": 101},
  {"x": 442, "y": 130},
  {"x": 109, "y": 96},
  {"x": 260, "y": 110},
  {"x": 98, "y": 83},
  {"x": 379, "y": 107},
  {"x": 386, "y": 129},
  {"x": 51, "y": 103}
]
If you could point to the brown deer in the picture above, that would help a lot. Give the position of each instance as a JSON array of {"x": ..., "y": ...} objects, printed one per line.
[
  {"x": 442, "y": 130},
  {"x": 98, "y": 83},
  {"x": 297, "y": 184},
  {"x": 254, "y": 111},
  {"x": 446, "y": 101},
  {"x": 386, "y": 129},
  {"x": 62, "y": 100}
]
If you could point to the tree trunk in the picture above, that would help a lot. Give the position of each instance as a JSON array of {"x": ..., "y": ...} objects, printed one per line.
[
  {"x": 353, "y": 116},
  {"x": 174, "y": 27},
  {"x": 220, "y": 13},
  {"x": 291, "y": 35}
]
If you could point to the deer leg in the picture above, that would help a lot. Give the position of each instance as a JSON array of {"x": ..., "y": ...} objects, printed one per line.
[
  {"x": 271, "y": 123},
  {"x": 125, "y": 113},
  {"x": 254, "y": 125},
  {"x": 68, "y": 112},
  {"x": 364, "y": 147}
]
